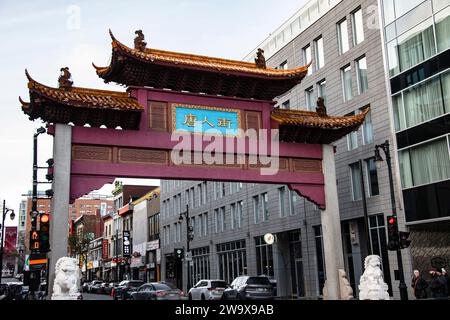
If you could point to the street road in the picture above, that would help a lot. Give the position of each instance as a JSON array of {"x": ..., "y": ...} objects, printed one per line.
[{"x": 92, "y": 296}]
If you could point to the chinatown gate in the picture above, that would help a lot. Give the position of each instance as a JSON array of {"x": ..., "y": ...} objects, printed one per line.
[{"x": 171, "y": 100}]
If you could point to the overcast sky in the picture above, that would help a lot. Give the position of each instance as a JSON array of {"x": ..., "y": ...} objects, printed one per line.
[{"x": 44, "y": 36}]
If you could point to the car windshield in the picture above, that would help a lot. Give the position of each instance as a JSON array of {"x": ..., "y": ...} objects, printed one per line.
[
  {"x": 258, "y": 280},
  {"x": 161, "y": 286},
  {"x": 218, "y": 284},
  {"x": 135, "y": 284}
]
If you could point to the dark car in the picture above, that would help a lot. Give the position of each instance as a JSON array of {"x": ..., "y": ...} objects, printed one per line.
[
  {"x": 85, "y": 286},
  {"x": 125, "y": 288},
  {"x": 157, "y": 291},
  {"x": 94, "y": 286},
  {"x": 109, "y": 288},
  {"x": 245, "y": 287}
]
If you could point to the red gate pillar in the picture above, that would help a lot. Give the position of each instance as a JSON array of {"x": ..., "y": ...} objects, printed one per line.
[
  {"x": 59, "y": 226},
  {"x": 331, "y": 226}
]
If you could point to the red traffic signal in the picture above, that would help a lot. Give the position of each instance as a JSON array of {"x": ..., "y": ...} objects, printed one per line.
[{"x": 393, "y": 235}]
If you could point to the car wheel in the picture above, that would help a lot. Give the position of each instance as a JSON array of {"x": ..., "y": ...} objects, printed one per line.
[{"x": 203, "y": 297}]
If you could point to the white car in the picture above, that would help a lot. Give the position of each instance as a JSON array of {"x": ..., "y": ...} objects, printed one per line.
[{"x": 207, "y": 290}]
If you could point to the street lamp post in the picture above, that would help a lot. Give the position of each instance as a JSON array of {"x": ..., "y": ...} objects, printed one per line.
[
  {"x": 385, "y": 147},
  {"x": 11, "y": 215},
  {"x": 188, "y": 240},
  {"x": 35, "y": 181}
]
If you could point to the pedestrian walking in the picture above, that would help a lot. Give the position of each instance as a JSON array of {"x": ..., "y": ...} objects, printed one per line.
[
  {"x": 436, "y": 284},
  {"x": 445, "y": 282},
  {"x": 419, "y": 285}
]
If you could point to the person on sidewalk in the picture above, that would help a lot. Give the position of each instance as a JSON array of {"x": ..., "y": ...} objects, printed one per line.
[{"x": 419, "y": 285}]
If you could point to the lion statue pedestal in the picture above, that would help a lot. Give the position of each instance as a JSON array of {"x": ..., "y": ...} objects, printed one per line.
[
  {"x": 372, "y": 285},
  {"x": 67, "y": 275}
]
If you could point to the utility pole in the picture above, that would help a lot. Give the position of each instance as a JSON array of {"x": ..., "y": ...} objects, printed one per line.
[{"x": 385, "y": 147}]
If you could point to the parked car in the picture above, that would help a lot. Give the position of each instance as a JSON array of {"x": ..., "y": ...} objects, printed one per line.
[
  {"x": 246, "y": 287},
  {"x": 94, "y": 286},
  {"x": 85, "y": 286},
  {"x": 110, "y": 287},
  {"x": 125, "y": 288},
  {"x": 273, "y": 282},
  {"x": 157, "y": 291},
  {"x": 207, "y": 290}
]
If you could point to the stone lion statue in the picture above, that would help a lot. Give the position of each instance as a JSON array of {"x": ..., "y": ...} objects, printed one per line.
[
  {"x": 67, "y": 275},
  {"x": 345, "y": 289},
  {"x": 372, "y": 285}
]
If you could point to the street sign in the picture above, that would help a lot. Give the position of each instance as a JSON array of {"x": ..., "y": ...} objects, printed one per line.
[
  {"x": 188, "y": 256},
  {"x": 126, "y": 243},
  {"x": 37, "y": 261}
]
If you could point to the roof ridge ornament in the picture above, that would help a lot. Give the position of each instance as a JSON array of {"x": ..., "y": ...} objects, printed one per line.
[
  {"x": 321, "y": 109},
  {"x": 64, "y": 79},
  {"x": 139, "y": 43},
  {"x": 260, "y": 61}
]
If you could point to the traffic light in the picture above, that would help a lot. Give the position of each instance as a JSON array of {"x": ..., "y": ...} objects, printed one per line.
[
  {"x": 393, "y": 236},
  {"x": 49, "y": 193},
  {"x": 49, "y": 175},
  {"x": 179, "y": 253},
  {"x": 191, "y": 233},
  {"x": 404, "y": 242},
  {"x": 44, "y": 232},
  {"x": 35, "y": 241}
]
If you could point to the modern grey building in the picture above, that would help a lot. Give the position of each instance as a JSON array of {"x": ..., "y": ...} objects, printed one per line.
[
  {"x": 416, "y": 39},
  {"x": 343, "y": 41}
]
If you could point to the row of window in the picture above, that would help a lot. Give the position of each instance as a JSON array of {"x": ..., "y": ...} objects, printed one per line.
[
  {"x": 428, "y": 35},
  {"x": 371, "y": 174},
  {"x": 176, "y": 205},
  {"x": 367, "y": 132},
  {"x": 425, "y": 101},
  {"x": 347, "y": 85}
]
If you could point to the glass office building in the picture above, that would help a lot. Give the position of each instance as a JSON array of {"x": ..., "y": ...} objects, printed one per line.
[{"x": 416, "y": 36}]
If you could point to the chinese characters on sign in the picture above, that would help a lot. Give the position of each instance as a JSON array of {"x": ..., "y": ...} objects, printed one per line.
[{"x": 202, "y": 119}]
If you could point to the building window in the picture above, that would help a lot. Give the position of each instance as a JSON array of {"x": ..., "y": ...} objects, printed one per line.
[
  {"x": 223, "y": 189},
  {"x": 358, "y": 27},
  {"x": 265, "y": 204},
  {"x": 352, "y": 137},
  {"x": 205, "y": 223},
  {"x": 236, "y": 215},
  {"x": 367, "y": 129},
  {"x": 424, "y": 164},
  {"x": 309, "y": 98},
  {"x": 372, "y": 177},
  {"x": 286, "y": 105},
  {"x": 319, "y": 54},
  {"x": 307, "y": 57},
  {"x": 346, "y": 77},
  {"x": 361, "y": 67},
  {"x": 200, "y": 264},
  {"x": 222, "y": 219},
  {"x": 216, "y": 220},
  {"x": 321, "y": 90},
  {"x": 283, "y": 66},
  {"x": 342, "y": 36},
  {"x": 232, "y": 260},
  {"x": 442, "y": 20},
  {"x": 422, "y": 102},
  {"x": 282, "y": 201},
  {"x": 320, "y": 257},
  {"x": 355, "y": 175},
  {"x": 256, "y": 209},
  {"x": 199, "y": 230},
  {"x": 264, "y": 257},
  {"x": 293, "y": 202}
]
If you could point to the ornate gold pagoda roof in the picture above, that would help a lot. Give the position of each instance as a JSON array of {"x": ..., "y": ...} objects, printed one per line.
[
  {"x": 196, "y": 73},
  {"x": 80, "y": 105},
  {"x": 199, "y": 61},
  {"x": 310, "y": 127}
]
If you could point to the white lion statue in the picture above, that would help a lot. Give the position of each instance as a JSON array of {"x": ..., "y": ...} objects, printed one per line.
[
  {"x": 345, "y": 289},
  {"x": 67, "y": 275},
  {"x": 372, "y": 285}
]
